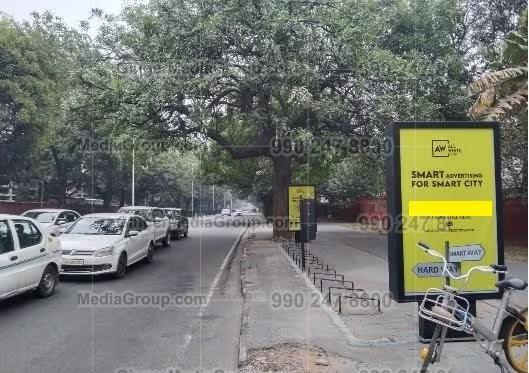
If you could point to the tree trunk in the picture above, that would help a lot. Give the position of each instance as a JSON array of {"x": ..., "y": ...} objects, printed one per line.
[
  {"x": 62, "y": 190},
  {"x": 280, "y": 181}
]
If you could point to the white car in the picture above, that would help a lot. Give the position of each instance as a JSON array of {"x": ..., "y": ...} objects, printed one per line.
[
  {"x": 225, "y": 212},
  {"x": 30, "y": 257},
  {"x": 106, "y": 243},
  {"x": 56, "y": 221},
  {"x": 156, "y": 218},
  {"x": 238, "y": 213}
]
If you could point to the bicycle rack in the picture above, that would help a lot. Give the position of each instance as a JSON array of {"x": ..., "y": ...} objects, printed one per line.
[
  {"x": 316, "y": 269},
  {"x": 363, "y": 299}
]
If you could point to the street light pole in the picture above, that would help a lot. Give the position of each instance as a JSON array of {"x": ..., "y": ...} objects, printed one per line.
[
  {"x": 192, "y": 192},
  {"x": 133, "y": 172}
]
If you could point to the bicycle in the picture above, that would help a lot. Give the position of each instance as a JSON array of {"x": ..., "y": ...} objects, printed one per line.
[{"x": 448, "y": 310}]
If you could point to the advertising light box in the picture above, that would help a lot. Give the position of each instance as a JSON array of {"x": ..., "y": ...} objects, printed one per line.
[
  {"x": 444, "y": 189},
  {"x": 297, "y": 193}
]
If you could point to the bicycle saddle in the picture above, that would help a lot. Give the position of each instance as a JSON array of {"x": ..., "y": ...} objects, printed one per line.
[{"x": 512, "y": 283}]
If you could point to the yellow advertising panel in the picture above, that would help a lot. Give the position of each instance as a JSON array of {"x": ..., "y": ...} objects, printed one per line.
[
  {"x": 448, "y": 194},
  {"x": 443, "y": 189},
  {"x": 296, "y": 193}
]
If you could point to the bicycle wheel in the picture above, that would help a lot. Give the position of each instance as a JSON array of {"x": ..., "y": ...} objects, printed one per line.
[
  {"x": 429, "y": 355},
  {"x": 515, "y": 344}
]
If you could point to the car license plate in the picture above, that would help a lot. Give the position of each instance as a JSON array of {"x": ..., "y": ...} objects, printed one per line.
[{"x": 75, "y": 262}]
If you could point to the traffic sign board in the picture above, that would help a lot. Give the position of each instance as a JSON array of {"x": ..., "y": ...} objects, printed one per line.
[
  {"x": 435, "y": 270},
  {"x": 458, "y": 254}
]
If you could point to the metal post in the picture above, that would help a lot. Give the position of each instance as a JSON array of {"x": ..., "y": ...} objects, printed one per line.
[
  {"x": 213, "y": 203},
  {"x": 302, "y": 255},
  {"x": 447, "y": 249},
  {"x": 133, "y": 156},
  {"x": 192, "y": 192}
]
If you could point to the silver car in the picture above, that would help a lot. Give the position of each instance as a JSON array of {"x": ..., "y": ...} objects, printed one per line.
[{"x": 56, "y": 221}]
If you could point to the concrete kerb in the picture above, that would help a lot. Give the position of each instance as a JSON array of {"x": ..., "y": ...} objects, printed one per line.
[
  {"x": 331, "y": 313},
  {"x": 229, "y": 257},
  {"x": 243, "y": 349}
]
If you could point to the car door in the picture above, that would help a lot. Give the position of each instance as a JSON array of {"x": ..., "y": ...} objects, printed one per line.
[
  {"x": 144, "y": 236},
  {"x": 185, "y": 222},
  {"x": 133, "y": 242},
  {"x": 148, "y": 231},
  {"x": 159, "y": 224},
  {"x": 31, "y": 252},
  {"x": 8, "y": 270}
]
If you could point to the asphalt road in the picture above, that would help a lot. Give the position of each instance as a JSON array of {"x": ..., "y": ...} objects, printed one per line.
[{"x": 58, "y": 334}]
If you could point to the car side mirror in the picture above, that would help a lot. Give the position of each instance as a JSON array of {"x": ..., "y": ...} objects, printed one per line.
[
  {"x": 132, "y": 233},
  {"x": 61, "y": 221}
]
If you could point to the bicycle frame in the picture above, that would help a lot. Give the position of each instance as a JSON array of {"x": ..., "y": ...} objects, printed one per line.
[{"x": 491, "y": 337}]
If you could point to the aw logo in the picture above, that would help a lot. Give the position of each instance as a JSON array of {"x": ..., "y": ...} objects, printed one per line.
[{"x": 443, "y": 149}]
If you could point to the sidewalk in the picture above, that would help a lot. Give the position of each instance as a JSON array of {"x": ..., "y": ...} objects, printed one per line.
[
  {"x": 362, "y": 257},
  {"x": 282, "y": 315},
  {"x": 285, "y": 328}
]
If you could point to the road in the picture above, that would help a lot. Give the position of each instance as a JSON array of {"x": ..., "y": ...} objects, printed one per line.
[{"x": 59, "y": 335}]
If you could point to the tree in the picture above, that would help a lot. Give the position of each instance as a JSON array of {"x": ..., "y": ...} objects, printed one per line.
[
  {"x": 28, "y": 92},
  {"x": 37, "y": 62},
  {"x": 503, "y": 92},
  {"x": 244, "y": 73}
]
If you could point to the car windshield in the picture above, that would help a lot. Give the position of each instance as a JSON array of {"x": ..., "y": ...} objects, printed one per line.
[
  {"x": 146, "y": 214},
  {"x": 41, "y": 216},
  {"x": 97, "y": 226}
]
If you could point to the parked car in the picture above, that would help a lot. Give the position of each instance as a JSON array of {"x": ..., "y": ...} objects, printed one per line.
[
  {"x": 238, "y": 212},
  {"x": 225, "y": 212},
  {"x": 30, "y": 257},
  {"x": 178, "y": 223},
  {"x": 106, "y": 243},
  {"x": 156, "y": 218},
  {"x": 56, "y": 221}
]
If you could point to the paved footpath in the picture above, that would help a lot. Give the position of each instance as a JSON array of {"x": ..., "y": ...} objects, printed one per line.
[
  {"x": 283, "y": 308},
  {"x": 362, "y": 257}
]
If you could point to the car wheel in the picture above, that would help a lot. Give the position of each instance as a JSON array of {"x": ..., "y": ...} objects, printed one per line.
[
  {"x": 185, "y": 233},
  {"x": 48, "y": 282},
  {"x": 177, "y": 234},
  {"x": 167, "y": 239},
  {"x": 150, "y": 253},
  {"x": 122, "y": 266}
]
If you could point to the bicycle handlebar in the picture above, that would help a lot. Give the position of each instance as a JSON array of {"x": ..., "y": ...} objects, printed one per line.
[{"x": 494, "y": 268}]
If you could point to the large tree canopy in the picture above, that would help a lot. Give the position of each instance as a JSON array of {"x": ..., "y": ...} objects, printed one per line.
[
  {"x": 231, "y": 80},
  {"x": 244, "y": 74}
]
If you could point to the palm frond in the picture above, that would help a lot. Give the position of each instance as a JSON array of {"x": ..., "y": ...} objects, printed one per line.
[
  {"x": 515, "y": 52},
  {"x": 482, "y": 104},
  {"x": 495, "y": 78},
  {"x": 508, "y": 103}
]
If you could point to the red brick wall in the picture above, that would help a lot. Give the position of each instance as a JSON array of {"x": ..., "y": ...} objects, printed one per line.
[{"x": 515, "y": 221}]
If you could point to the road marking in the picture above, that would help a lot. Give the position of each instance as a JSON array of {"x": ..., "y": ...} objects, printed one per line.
[{"x": 212, "y": 288}]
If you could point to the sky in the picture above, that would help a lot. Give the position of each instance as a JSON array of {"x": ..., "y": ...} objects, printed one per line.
[{"x": 71, "y": 11}]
